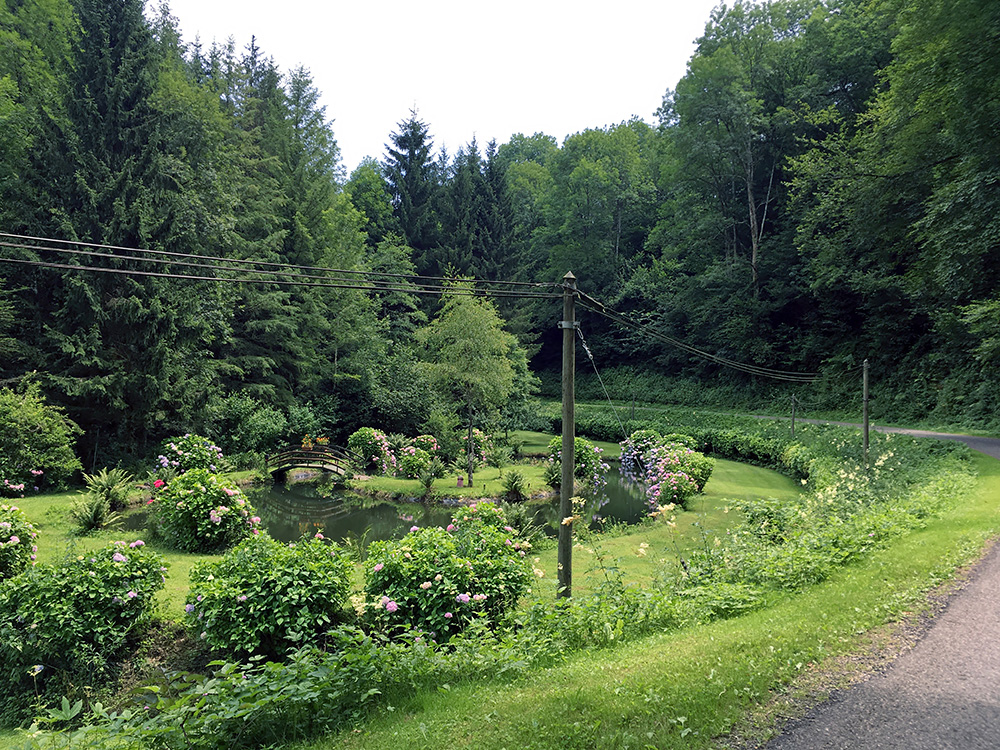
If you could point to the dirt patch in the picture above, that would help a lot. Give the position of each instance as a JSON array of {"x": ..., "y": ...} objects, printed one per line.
[{"x": 872, "y": 653}]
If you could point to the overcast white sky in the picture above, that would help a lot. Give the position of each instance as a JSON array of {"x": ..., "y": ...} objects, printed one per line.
[{"x": 479, "y": 69}]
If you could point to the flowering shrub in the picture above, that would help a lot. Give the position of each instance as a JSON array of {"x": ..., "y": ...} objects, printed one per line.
[
  {"x": 199, "y": 512},
  {"x": 671, "y": 470},
  {"x": 373, "y": 446},
  {"x": 439, "y": 580},
  {"x": 36, "y": 442},
  {"x": 479, "y": 447},
  {"x": 265, "y": 597},
  {"x": 17, "y": 541},
  {"x": 666, "y": 485},
  {"x": 427, "y": 443},
  {"x": 589, "y": 467},
  {"x": 187, "y": 452},
  {"x": 65, "y": 622},
  {"x": 413, "y": 462}
]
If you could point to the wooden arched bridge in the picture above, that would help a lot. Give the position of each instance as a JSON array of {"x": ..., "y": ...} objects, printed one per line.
[{"x": 330, "y": 458}]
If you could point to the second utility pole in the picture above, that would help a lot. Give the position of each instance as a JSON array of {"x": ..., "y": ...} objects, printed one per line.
[{"x": 568, "y": 325}]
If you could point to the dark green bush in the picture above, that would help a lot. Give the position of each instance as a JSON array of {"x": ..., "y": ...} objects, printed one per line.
[
  {"x": 62, "y": 626},
  {"x": 265, "y": 597}
]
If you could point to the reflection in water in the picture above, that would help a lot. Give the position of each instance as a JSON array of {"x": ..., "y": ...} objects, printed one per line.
[{"x": 290, "y": 510}]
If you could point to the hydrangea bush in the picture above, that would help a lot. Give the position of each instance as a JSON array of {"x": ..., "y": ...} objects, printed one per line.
[
  {"x": 187, "y": 452},
  {"x": 17, "y": 541},
  {"x": 480, "y": 446},
  {"x": 201, "y": 512},
  {"x": 265, "y": 597},
  {"x": 427, "y": 443},
  {"x": 413, "y": 462},
  {"x": 669, "y": 467},
  {"x": 61, "y": 625},
  {"x": 373, "y": 447},
  {"x": 589, "y": 466},
  {"x": 439, "y": 580}
]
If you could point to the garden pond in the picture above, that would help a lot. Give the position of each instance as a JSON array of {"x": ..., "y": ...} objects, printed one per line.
[{"x": 290, "y": 509}]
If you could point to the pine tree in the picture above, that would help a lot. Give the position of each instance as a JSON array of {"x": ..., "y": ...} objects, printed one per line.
[{"x": 410, "y": 174}]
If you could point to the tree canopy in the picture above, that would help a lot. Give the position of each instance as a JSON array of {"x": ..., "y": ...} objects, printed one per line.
[{"x": 820, "y": 188}]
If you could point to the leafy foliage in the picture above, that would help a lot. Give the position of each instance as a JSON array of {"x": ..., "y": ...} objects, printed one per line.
[
  {"x": 17, "y": 541},
  {"x": 589, "y": 467},
  {"x": 267, "y": 598},
  {"x": 413, "y": 462},
  {"x": 201, "y": 512},
  {"x": 63, "y": 625},
  {"x": 113, "y": 486},
  {"x": 36, "y": 441}
]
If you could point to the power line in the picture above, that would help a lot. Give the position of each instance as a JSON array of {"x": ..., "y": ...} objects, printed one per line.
[
  {"x": 601, "y": 309},
  {"x": 205, "y": 266},
  {"x": 268, "y": 264},
  {"x": 327, "y": 278},
  {"x": 371, "y": 287}
]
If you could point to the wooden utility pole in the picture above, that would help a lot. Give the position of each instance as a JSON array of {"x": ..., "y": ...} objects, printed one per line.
[
  {"x": 864, "y": 408},
  {"x": 568, "y": 325},
  {"x": 793, "y": 415}
]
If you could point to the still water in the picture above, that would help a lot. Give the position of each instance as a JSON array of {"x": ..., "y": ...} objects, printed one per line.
[{"x": 304, "y": 507}]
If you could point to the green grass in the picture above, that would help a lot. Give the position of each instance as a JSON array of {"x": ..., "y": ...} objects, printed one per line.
[
  {"x": 707, "y": 516},
  {"x": 537, "y": 444},
  {"x": 684, "y": 689}
]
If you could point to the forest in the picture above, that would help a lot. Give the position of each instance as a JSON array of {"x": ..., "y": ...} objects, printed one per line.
[{"x": 182, "y": 250}]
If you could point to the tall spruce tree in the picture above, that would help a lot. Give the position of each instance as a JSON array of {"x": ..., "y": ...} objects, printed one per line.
[{"x": 411, "y": 175}]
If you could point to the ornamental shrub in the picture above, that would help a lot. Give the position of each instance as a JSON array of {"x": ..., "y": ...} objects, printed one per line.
[
  {"x": 481, "y": 444},
  {"x": 187, "y": 452},
  {"x": 63, "y": 625},
  {"x": 373, "y": 447},
  {"x": 36, "y": 442},
  {"x": 264, "y": 597},
  {"x": 439, "y": 580},
  {"x": 427, "y": 443},
  {"x": 589, "y": 466},
  {"x": 17, "y": 541},
  {"x": 201, "y": 512},
  {"x": 671, "y": 470},
  {"x": 413, "y": 462}
]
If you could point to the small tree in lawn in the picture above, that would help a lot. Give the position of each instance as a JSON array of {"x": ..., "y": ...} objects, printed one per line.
[{"x": 468, "y": 356}]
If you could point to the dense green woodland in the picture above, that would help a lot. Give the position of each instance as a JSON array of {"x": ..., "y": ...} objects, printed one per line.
[{"x": 821, "y": 188}]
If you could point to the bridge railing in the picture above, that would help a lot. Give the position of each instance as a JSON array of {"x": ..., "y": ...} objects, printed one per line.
[{"x": 320, "y": 456}]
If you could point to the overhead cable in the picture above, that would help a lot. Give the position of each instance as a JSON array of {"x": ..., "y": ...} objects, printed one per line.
[{"x": 601, "y": 309}]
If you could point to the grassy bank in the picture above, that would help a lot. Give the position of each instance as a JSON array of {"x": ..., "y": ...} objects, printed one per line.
[{"x": 689, "y": 688}]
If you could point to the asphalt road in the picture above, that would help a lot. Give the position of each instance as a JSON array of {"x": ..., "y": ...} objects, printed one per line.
[{"x": 944, "y": 694}]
